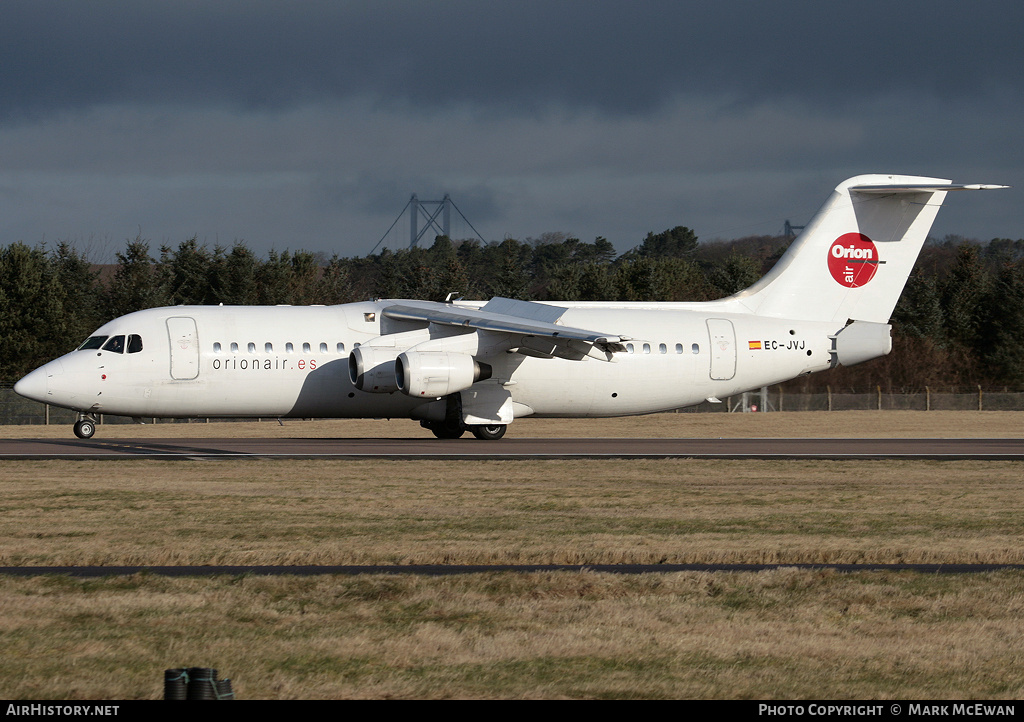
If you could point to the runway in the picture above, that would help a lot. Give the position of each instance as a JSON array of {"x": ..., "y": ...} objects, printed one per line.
[{"x": 513, "y": 449}]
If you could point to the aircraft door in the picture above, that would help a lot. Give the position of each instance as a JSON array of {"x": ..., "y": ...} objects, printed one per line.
[
  {"x": 723, "y": 348},
  {"x": 184, "y": 347}
]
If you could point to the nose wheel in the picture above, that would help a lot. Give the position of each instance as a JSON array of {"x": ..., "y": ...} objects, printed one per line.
[{"x": 85, "y": 428}]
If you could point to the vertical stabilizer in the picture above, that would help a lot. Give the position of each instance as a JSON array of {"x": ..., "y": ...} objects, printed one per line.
[{"x": 854, "y": 257}]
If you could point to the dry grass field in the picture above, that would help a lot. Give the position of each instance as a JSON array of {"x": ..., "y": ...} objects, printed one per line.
[
  {"x": 782, "y": 634},
  {"x": 785, "y": 634},
  {"x": 563, "y": 512}
]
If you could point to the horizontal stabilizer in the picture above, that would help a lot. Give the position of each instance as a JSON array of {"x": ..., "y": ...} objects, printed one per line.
[{"x": 924, "y": 188}]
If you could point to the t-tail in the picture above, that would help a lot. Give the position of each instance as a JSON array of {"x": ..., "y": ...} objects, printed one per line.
[{"x": 853, "y": 259}]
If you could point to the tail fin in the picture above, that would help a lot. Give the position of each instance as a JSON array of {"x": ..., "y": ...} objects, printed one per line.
[{"x": 853, "y": 259}]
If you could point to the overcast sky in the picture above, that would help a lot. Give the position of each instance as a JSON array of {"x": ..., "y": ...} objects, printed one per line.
[{"x": 309, "y": 124}]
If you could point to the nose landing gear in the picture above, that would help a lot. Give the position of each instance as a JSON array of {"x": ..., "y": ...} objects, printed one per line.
[{"x": 85, "y": 427}]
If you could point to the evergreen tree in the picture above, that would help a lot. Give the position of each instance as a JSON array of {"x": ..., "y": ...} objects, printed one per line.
[
  {"x": 919, "y": 311},
  {"x": 737, "y": 273},
  {"x": 1003, "y": 336},
  {"x": 961, "y": 293},
  {"x": 565, "y": 283},
  {"x": 390, "y": 281},
  {"x": 597, "y": 282},
  {"x": 233, "y": 276},
  {"x": 82, "y": 291},
  {"x": 447, "y": 274},
  {"x": 643, "y": 279},
  {"x": 304, "y": 279},
  {"x": 273, "y": 279},
  {"x": 186, "y": 273},
  {"x": 335, "y": 284},
  {"x": 510, "y": 278},
  {"x": 678, "y": 242},
  {"x": 32, "y": 321},
  {"x": 603, "y": 251},
  {"x": 136, "y": 284}
]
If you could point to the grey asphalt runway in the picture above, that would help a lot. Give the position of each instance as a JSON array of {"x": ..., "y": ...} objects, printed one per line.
[{"x": 518, "y": 448}]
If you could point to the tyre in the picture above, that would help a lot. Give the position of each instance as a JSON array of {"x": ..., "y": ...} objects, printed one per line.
[
  {"x": 446, "y": 432},
  {"x": 84, "y": 429},
  {"x": 489, "y": 432}
]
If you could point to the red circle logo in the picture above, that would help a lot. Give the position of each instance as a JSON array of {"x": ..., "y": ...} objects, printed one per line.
[{"x": 853, "y": 260}]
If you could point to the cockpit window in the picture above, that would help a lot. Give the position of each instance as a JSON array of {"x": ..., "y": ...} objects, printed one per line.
[
  {"x": 92, "y": 342},
  {"x": 134, "y": 343},
  {"x": 115, "y": 344}
]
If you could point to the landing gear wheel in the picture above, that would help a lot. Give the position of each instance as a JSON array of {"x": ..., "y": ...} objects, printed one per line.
[
  {"x": 443, "y": 431},
  {"x": 85, "y": 428},
  {"x": 490, "y": 432}
]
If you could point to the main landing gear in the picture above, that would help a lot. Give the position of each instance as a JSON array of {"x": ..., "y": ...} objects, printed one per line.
[
  {"x": 490, "y": 432},
  {"x": 442, "y": 430},
  {"x": 453, "y": 427},
  {"x": 85, "y": 427}
]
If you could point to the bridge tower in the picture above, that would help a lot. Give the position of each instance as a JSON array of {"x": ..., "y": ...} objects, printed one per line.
[
  {"x": 427, "y": 215},
  {"x": 429, "y": 210}
]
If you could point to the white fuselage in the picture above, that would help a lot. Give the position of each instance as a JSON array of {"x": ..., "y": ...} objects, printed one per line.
[
  {"x": 479, "y": 366},
  {"x": 282, "y": 361}
]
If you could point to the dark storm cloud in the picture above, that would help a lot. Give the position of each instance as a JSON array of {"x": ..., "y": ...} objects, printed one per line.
[
  {"x": 309, "y": 124},
  {"x": 614, "y": 56}
]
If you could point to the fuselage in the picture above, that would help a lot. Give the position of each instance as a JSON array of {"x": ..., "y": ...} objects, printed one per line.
[
  {"x": 283, "y": 361},
  {"x": 474, "y": 366}
]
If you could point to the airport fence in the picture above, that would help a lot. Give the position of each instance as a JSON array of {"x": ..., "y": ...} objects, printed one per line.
[
  {"x": 776, "y": 398},
  {"x": 17, "y": 410}
]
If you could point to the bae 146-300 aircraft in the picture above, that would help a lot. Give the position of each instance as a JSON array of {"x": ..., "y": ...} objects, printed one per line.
[{"x": 464, "y": 365}]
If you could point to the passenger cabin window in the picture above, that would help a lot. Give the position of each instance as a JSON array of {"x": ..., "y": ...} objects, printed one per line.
[
  {"x": 305, "y": 347},
  {"x": 252, "y": 347},
  {"x": 629, "y": 347},
  {"x": 234, "y": 347},
  {"x": 268, "y": 347},
  {"x": 134, "y": 343},
  {"x": 288, "y": 347},
  {"x": 679, "y": 348},
  {"x": 115, "y": 344},
  {"x": 93, "y": 342},
  {"x": 216, "y": 347},
  {"x": 341, "y": 348},
  {"x": 662, "y": 348},
  {"x": 695, "y": 348},
  {"x": 323, "y": 348},
  {"x": 647, "y": 348}
]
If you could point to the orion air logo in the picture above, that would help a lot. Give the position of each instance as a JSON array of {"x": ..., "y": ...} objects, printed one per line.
[{"x": 853, "y": 260}]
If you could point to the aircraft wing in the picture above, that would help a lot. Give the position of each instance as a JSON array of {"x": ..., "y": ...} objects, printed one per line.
[{"x": 517, "y": 318}]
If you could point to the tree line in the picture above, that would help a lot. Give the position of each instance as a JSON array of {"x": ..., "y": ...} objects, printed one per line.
[{"x": 960, "y": 321}]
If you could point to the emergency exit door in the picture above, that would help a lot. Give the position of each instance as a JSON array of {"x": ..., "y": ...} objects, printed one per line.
[
  {"x": 184, "y": 347},
  {"x": 723, "y": 348}
]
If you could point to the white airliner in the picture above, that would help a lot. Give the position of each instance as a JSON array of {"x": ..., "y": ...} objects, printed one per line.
[{"x": 477, "y": 366}]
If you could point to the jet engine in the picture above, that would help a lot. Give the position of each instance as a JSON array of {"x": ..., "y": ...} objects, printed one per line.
[
  {"x": 372, "y": 368},
  {"x": 432, "y": 374}
]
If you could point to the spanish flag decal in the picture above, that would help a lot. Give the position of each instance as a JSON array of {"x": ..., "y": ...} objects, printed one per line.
[{"x": 754, "y": 345}]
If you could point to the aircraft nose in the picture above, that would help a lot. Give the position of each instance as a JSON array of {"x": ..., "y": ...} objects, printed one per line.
[{"x": 34, "y": 385}]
